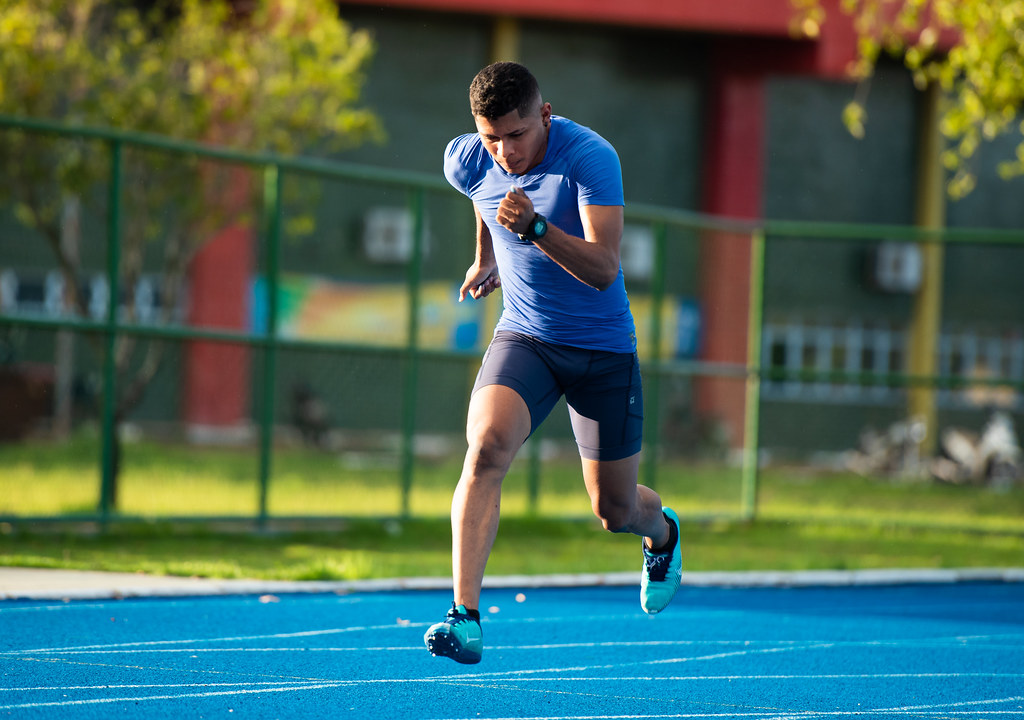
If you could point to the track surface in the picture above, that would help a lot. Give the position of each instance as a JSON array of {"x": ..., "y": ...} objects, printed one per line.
[{"x": 897, "y": 651}]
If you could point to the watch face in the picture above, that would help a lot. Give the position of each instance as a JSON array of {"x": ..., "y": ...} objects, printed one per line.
[{"x": 539, "y": 226}]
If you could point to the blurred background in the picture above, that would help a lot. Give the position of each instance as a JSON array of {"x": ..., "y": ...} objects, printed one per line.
[{"x": 229, "y": 263}]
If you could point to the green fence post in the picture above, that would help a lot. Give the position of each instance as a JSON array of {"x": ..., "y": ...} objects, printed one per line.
[
  {"x": 411, "y": 376},
  {"x": 533, "y": 471},
  {"x": 652, "y": 395},
  {"x": 272, "y": 183},
  {"x": 752, "y": 409},
  {"x": 109, "y": 428}
]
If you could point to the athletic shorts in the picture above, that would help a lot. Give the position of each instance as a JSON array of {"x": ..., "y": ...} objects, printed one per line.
[{"x": 602, "y": 389}]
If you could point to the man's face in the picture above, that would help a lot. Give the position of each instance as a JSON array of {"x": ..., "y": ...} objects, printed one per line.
[{"x": 516, "y": 143}]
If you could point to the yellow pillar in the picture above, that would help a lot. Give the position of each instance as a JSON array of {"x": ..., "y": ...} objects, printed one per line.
[
  {"x": 505, "y": 40},
  {"x": 927, "y": 311}
]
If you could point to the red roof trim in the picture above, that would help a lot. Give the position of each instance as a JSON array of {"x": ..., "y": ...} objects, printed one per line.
[{"x": 769, "y": 18}]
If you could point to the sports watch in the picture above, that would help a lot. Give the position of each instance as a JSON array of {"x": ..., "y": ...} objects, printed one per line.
[{"x": 538, "y": 229}]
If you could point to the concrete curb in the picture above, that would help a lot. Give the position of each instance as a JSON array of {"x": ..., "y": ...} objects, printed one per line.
[{"x": 66, "y": 585}]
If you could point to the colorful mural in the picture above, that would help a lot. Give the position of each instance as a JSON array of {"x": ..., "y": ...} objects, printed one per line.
[{"x": 317, "y": 308}]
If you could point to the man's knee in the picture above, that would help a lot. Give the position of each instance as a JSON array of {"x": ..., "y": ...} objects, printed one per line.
[
  {"x": 490, "y": 450},
  {"x": 613, "y": 492}
]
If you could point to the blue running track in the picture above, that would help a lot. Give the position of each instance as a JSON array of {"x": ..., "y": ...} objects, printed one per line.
[{"x": 895, "y": 651}]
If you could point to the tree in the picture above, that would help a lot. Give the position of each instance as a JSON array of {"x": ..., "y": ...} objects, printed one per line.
[
  {"x": 276, "y": 75},
  {"x": 974, "y": 50}
]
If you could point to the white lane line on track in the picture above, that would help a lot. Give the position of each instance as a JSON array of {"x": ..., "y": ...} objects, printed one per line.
[
  {"x": 65, "y": 688},
  {"x": 117, "y": 650},
  {"x": 792, "y": 715},
  {"x": 147, "y": 648},
  {"x": 150, "y": 643},
  {"x": 772, "y": 678},
  {"x": 183, "y": 696},
  {"x": 207, "y": 650},
  {"x": 309, "y": 633},
  {"x": 510, "y": 674},
  {"x": 247, "y": 675},
  {"x": 559, "y": 678},
  {"x": 946, "y": 710},
  {"x": 597, "y": 678},
  {"x": 962, "y": 704},
  {"x": 156, "y": 646}
]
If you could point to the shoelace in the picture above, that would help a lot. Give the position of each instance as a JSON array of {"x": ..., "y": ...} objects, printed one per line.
[
  {"x": 457, "y": 618},
  {"x": 657, "y": 565}
]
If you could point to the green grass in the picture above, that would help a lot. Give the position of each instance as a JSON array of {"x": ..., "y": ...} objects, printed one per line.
[
  {"x": 806, "y": 521},
  {"x": 374, "y": 549}
]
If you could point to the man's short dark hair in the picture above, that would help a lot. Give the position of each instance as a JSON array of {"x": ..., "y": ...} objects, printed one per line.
[{"x": 500, "y": 88}]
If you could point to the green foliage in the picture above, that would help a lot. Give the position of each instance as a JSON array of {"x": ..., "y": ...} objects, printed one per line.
[
  {"x": 280, "y": 75},
  {"x": 284, "y": 77},
  {"x": 286, "y": 74},
  {"x": 974, "y": 49}
]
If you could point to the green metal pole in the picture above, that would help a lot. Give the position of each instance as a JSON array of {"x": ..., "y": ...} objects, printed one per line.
[
  {"x": 534, "y": 471},
  {"x": 272, "y": 182},
  {"x": 652, "y": 394},
  {"x": 107, "y": 483},
  {"x": 752, "y": 409},
  {"x": 411, "y": 377}
]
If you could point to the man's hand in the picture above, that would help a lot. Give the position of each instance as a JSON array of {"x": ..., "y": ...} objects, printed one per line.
[
  {"x": 515, "y": 211},
  {"x": 480, "y": 282}
]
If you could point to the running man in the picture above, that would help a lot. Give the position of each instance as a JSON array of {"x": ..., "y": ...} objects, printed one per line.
[{"x": 549, "y": 215}]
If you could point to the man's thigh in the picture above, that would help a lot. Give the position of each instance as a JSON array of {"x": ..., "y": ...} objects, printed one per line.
[{"x": 517, "y": 362}]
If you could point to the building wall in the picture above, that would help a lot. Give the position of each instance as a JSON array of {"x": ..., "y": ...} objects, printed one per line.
[
  {"x": 648, "y": 90},
  {"x": 641, "y": 89}
]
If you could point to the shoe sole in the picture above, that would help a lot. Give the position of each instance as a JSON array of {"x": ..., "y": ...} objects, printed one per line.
[{"x": 441, "y": 644}]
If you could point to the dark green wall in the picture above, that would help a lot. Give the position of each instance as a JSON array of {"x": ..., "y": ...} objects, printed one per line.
[
  {"x": 639, "y": 89},
  {"x": 815, "y": 170},
  {"x": 984, "y": 282}
]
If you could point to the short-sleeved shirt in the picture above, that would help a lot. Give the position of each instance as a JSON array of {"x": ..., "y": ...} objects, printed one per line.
[{"x": 541, "y": 299}]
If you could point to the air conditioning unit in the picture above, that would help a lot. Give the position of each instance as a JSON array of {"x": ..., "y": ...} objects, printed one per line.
[
  {"x": 388, "y": 235},
  {"x": 636, "y": 253},
  {"x": 896, "y": 267}
]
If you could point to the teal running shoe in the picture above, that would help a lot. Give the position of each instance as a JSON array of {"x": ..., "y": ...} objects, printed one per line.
[
  {"x": 662, "y": 571},
  {"x": 458, "y": 636}
]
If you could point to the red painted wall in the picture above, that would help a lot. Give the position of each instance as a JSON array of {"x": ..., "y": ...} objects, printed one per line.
[
  {"x": 217, "y": 374},
  {"x": 733, "y": 183},
  {"x": 733, "y": 187}
]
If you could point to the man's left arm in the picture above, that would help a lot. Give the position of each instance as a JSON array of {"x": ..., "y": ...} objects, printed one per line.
[{"x": 592, "y": 259}]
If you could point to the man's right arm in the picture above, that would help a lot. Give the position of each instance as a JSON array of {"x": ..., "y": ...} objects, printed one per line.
[{"x": 482, "y": 277}]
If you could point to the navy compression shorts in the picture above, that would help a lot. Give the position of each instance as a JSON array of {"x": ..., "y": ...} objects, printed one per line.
[{"x": 602, "y": 389}]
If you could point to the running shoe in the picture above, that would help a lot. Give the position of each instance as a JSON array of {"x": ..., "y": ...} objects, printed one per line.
[
  {"x": 662, "y": 571},
  {"x": 458, "y": 636}
]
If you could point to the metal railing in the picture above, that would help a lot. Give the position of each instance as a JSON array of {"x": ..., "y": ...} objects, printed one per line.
[{"x": 268, "y": 341}]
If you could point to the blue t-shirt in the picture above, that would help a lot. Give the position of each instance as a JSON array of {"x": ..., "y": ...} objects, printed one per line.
[{"x": 540, "y": 298}]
